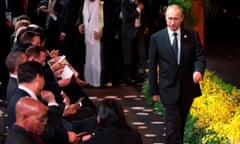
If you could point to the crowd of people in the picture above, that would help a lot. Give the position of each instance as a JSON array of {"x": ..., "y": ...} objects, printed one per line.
[
  {"x": 106, "y": 41},
  {"x": 55, "y": 47},
  {"x": 52, "y": 48}
]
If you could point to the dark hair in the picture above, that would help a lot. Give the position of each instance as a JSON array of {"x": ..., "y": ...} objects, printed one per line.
[
  {"x": 13, "y": 59},
  {"x": 110, "y": 113},
  {"x": 39, "y": 29},
  {"x": 26, "y": 35},
  {"x": 35, "y": 50},
  {"x": 29, "y": 70},
  {"x": 23, "y": 17}
]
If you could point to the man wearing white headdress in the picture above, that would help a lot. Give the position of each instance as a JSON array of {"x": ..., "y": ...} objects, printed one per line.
[{"x": 93, "y": 25}]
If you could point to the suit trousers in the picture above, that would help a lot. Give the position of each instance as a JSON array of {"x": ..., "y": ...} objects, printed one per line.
[
  {"x": 176, "y": 115},
  {"x": 131, "y": 47}
]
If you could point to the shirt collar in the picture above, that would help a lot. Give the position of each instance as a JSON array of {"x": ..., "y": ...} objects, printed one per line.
[
  {"x": 170, "y": 32},
  {"x": 13, "y": 75},
  {"x": 30, "y": 92}
]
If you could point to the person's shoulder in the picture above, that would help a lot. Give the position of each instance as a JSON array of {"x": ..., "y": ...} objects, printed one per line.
[
  {"x": 188, "y": 31},
  {"x": 159, "y": 33}
]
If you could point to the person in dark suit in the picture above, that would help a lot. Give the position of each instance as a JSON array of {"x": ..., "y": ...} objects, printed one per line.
[
  {"x": 58, "y": 84},
  {"x": 31, "y": 119},
  {"x": 134, "y": 28},
  {"x": 49, "y": 12},
  {"x": 113, "y": 127},
  {"x": 72, "y": 41},
  {"x": 13, "y": 60},
  {"x": 57, "y": 130},
  {"x": 17, "y": 8},
  {"x": 176, "y": 83}
]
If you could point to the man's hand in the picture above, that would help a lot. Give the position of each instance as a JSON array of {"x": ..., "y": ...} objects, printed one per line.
[
  {"x": 81, "y": 28},
  {"x": 42, "y": 8},
  {"x": 70, "y": 110},
  {"x": 64, "y": 82},
  {"x": 72, "y": 138},
  {"x": 96, "y": 35},
  {"x": 66, "y": 98},
  {"x": 54, "y": 53},
  {"x": 47, "y": 96},
  {"x": 197, "y": 77},
  {"x": 156, "y": 98}
]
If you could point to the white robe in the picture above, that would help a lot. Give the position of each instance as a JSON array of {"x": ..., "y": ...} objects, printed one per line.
[{"x": 92, "y": 22}]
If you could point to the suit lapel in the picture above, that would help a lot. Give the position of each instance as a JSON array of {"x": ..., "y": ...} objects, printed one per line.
[
  {"x": 184, "y": 37},
  {"x": 168, "y": 43}
]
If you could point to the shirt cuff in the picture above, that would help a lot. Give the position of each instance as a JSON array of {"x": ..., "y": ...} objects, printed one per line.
[{"x": 53, "y": 104}]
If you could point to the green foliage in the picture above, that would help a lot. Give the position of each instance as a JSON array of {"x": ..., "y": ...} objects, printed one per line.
[
  {"x": 158, "y": 107},
  {"x": 198, "y": 131},
  {"x": 192, "y": 134},
  {"x": 226, "y": 87}
]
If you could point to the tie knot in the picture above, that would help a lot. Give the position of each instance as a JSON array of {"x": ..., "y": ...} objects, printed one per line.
[{"x": 175, "y": 34}]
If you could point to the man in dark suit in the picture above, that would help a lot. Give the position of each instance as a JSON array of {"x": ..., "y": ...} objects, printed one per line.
[
  {"x": 31, "y": 83},
  {"x": 177, "y": 81},
  {"x": 72, "y": 40},
  {"x": 49, "y": 12},
  {"x": 17, "y": 8},
  {"x": 31, "y": 118},
  {"x": 34, "y": 73},
  {"x": 13, "y": 60},
  {"x": 134, "y": 28}
]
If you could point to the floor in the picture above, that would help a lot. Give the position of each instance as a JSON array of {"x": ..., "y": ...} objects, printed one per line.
[{"x": 139, "y": 113}]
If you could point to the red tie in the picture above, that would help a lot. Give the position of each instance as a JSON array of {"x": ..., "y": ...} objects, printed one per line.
[
  {"x": 39, "y": 139},
  {"x": 25, "y": 6}
]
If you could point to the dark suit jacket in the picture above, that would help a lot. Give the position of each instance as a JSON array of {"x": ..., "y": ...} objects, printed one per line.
[
  {"x": 129, "y": 31},
  {"x": 175, "y": 79},
  {"x": 54, "y": 131},
  {"x": 58, "y": 7},
  {"x": 16, "y": 7},
  {"x": 11, "y": 87},
  {"x": 18, "y": 135},
  {"x": 53, "y": 29},
  {"x": 111, "y": 135},
  {"x": 71, "y": 14},
  {"x": 11, "y": 106}
]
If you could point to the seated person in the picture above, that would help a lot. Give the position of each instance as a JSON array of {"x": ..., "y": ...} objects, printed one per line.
[
  {"x": 31, "y": 119},
  {"x": 25, "y": 38},
  {"x": 113, "y": 127},
  {"x": 21, "y": 21},
  {"x": 55, "y": 83},
  {"x": 57, "y": 130},
  {"x": 12, "y": 61}
]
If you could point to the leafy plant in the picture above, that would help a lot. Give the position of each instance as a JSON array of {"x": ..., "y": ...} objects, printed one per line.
[{"x": 214, "y": 117}]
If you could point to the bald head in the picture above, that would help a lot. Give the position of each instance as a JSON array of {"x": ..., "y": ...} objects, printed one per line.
[
  {"x": 27, "y": 105},
  {"x": 31, "y": 114}
]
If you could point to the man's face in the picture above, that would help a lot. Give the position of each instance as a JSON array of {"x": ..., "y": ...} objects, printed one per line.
[
  {"x": 41, "y": 59},
  {"x": 174, "y": 18},
  {"x": 36, "y": 40},
  {"x": 41, "y": 83}
]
